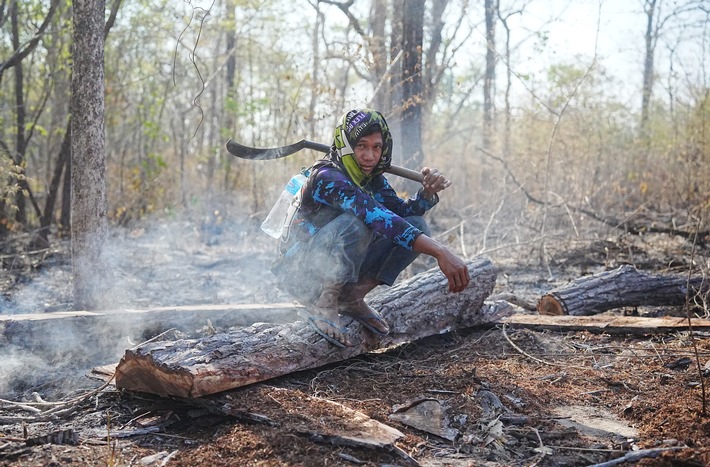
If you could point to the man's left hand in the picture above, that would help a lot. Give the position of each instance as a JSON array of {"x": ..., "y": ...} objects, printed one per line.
[{"x": 434, "y": 181}]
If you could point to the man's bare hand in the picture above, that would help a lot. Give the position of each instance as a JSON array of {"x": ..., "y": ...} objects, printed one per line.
[
  {"x": 455, "y": 270},
  {"x": 434, "y": 181},
  {"x": 453, "y": 267}
]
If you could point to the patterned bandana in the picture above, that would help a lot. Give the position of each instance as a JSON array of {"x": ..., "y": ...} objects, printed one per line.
[{"x": 352, "y": 125}]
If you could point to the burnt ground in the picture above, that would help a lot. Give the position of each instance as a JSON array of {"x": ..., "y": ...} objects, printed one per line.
[{"x": 494, "y": 396}]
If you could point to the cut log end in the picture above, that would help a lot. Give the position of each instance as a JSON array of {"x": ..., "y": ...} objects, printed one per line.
[
  {"x": 619, "y": 288},
  {"x": 550, "y": 305},
  {"x": 141, "y": 374}
]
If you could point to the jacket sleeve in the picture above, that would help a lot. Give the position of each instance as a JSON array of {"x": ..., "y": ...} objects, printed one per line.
[
  {"x": 416, "y": 206},
  {"x": 334, "y": 189}
]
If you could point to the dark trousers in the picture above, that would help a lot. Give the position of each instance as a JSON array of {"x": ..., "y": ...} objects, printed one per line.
[{"x": 344, "y": 250}]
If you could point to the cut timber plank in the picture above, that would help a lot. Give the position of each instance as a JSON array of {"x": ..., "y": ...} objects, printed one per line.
[
  {"x": 606, "y": 324},
  {"x": 622, "y": 287},
  {"x": 102, "y": 332},
  {"x": 416, "y": 308}
]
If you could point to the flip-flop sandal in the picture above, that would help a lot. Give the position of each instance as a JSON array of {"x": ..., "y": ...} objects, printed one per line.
[
  {"x": 364, "y": 321},
  {"x": 312, "y": 320}
]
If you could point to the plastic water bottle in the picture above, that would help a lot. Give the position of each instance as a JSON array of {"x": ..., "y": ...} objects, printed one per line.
[{"x": 274, "y": 223}]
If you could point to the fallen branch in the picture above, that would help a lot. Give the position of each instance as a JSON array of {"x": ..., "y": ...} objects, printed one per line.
[
  {"x": 58, "y": 411},
  {"x": 634, "y": 456}
]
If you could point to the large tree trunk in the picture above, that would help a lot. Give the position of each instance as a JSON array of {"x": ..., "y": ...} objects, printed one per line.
[
  {"x": 622, "y": 287},
  {"x": 89, "y": 226},
  {"x": 417, "y": 308}
]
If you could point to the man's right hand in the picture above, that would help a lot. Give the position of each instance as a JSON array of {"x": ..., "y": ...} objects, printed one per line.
[
  {"x": 455, "y": 270},
  {"x": 453, "y": 267}
]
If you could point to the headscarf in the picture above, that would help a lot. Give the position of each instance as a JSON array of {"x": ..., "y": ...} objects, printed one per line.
[{"x": 352, "y": 125}]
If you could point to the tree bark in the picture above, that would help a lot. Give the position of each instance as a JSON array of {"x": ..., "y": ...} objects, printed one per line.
[
  {"x": 20, "y": 143},
  {"x": 89, "y": 225},
  {"x": 650, "y": 38},
  {"x": 622, "y": 287},
  {"x": 491, "y": 8},
  {"x": 411, "y": 130},
  {"x": 378, "y": 21},
  {"x": 53, "y": 190},
  {"x": 417, "y": 308}
]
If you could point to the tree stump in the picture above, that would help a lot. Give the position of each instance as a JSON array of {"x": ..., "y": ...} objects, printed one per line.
[
  {"x": 416, "y": 308},
  {"x": 622, "y": 287}
]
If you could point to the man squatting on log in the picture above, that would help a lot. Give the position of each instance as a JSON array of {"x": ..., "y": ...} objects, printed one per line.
[{"x": 351, "y": 231}]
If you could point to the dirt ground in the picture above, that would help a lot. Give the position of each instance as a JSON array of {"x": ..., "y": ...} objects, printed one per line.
[{"x": 478, "y": 397}]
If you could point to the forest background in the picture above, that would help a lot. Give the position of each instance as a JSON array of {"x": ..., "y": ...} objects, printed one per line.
[{"x": 547, "y": 138}]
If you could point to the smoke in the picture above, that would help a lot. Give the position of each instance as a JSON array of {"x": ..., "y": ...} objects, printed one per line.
[{"x": 181, "y": 262}]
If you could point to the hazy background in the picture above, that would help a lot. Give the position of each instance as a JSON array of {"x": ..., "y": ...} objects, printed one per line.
[{"x": 564, "y": 151}]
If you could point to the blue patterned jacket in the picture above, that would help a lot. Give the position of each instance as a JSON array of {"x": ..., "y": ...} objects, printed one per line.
[{"x": 329, "y": 192}]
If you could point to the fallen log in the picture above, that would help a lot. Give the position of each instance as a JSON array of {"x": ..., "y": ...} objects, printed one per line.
[
  {"x": 416, "y": 308},
  {"x": 622, "y": 287}
]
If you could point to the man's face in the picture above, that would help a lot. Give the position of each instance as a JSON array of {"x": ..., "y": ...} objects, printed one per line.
[{"x": 368, "y": 152}]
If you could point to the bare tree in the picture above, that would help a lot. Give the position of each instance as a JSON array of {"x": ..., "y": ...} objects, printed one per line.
[
  {"x": 378, "y": 21},
  {"x": 412, "y": 42},
  {"x": 491, "y": 7},
  {"x": 27, "y": 47},
  {"x": 20, "y": 144},
  {"x": 22, "y": 49},
  {"x": 508, "y": 75},
  {"x": 656, "y": 22},
  {"x": 89, "y": 226},
  {"x": 650, "y": 39}
]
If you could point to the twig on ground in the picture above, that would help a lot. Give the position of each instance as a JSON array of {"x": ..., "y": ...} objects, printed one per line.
[
  {"x": 544, "y": 362},
  {"x": 21, "y": 406},
  {"x": 62, "y": 409},
  {"x": 634, "y": 456},
  {"x": 155, "y": 338},
  {"x": 690, "y": 320}
]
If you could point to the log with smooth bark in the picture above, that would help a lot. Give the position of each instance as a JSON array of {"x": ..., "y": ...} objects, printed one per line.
[
  {"x": 622, "y": 287},
  {"x": 414, "y": 309}
]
